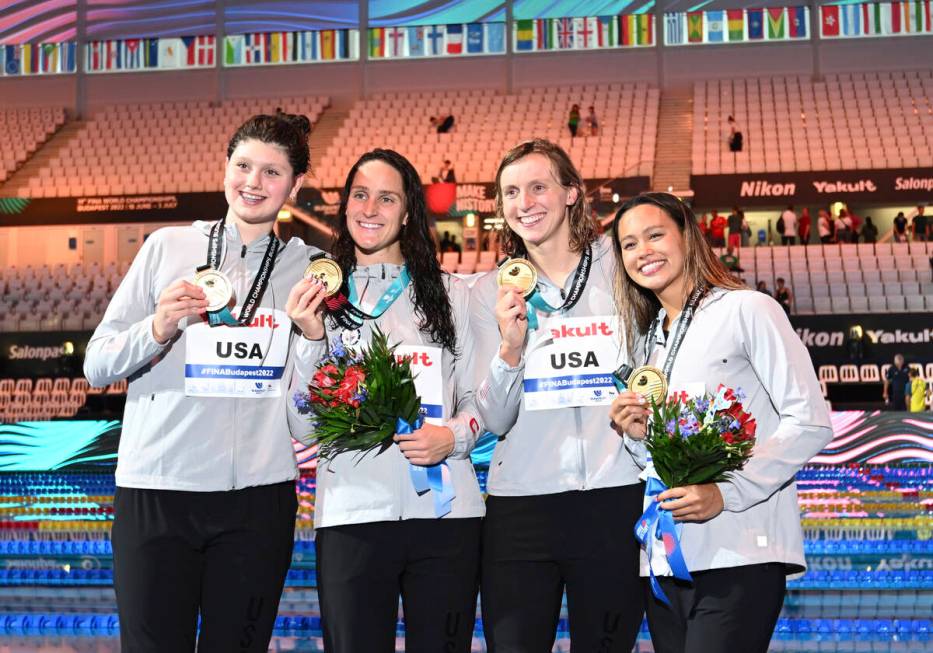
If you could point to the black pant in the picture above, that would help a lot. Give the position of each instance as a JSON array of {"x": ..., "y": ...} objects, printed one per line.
[
  {"x": 221, "y": 554},
  {"x": 362, "y": 569},
  {"x": 722, "y": 611},
  {"x": 536, "y": 546},
  {"x": 788, "y": 240}
]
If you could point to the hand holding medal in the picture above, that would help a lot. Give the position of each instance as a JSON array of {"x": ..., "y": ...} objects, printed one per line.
[
  {"x": 517, "y": 279},
  {"x": 179, "y": 300},
  {"x": 638, "y": 388}
]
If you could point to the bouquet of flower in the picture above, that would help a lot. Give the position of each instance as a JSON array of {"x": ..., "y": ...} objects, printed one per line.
[
  {"x": 356, "y": 398},
  {"x": 700, "y": 440}
]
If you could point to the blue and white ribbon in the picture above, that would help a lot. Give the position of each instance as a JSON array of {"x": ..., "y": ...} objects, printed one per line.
[
  {"x": 435, "y": 478},
  {"x": 658, "y": 524}
]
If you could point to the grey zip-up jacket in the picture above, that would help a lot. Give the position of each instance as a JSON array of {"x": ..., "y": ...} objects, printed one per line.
[
  {"x": 547, "y": 451},
  {"x": 354, "y": 488},
  {"x": 171, "y": 441}
]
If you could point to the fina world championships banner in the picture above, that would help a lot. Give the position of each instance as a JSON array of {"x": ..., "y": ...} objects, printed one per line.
[
  {"x": 155, "y": 207},
  {"x": 897, "y": 186},
  {"x": 829, "y": 338}
]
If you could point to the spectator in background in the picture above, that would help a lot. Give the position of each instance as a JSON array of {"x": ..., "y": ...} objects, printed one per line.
[
  {"x": 703, "y": 224},
  {"x": 917, "y": 395},
  {"x": 920, "y": 226},
  {"x": 735, "y": 220},
  {"x": 804, "y": 227},
  {"x": 730, "y": 260},
  {"x": 746, "y": 231},
  {"x": 446, "y": 174},
  {"x": 844, "y": 231},
  {"x": 783, "y": 295},
  {"x": 900, "y": 228},
  {"x": 761, "y": 286},
  {"x": 445, "y": 242},
  {"x": 573, "y": 121},
  {"x": 717, "y": 230},
  {"x": 824, "y": 227},
  {"x": 443, "y": 123},
  {"x": 592, "y": 123},
  {"x": 735, "y": 140},
  {"x": 454, "y": 245},
  {"x": 869, "y": 231},
  {"x": 787, "y": 226},
  {"x": 896, "y": 380}
]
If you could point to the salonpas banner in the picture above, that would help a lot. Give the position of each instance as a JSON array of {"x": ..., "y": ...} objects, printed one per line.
[
  {"x": 42, "y": 353},
  {"x": 829, "y": 338},
  {"x": 896, "y": 186}
]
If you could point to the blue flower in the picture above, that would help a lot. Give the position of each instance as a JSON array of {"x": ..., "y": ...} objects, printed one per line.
[
  {"x": 735, "y": 425},
  {"x": 671, "y": 426},
  {"x": 740, "y": 395},
  {"x": 689, "y": 430},
  {"x": 338, "y": 350},
  {"x": 361, "y": 395},
  {"x": 302, "y": 402},
  {"x": 702, "y": 404}
]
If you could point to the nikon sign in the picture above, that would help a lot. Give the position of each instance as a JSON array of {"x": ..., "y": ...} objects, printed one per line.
[{"x": 903, "y": 186}]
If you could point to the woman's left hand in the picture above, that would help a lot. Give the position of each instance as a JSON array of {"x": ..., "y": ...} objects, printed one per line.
[
  {"x": 304, "y": 307},
  {"x": 428, "y": 445},
  {"x": 692, "y": 502}
]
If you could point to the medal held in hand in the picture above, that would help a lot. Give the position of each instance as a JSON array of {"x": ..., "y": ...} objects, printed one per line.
[
  {"x": 217, "y": 288},
  {"x": 520, "y": 273},
  {"x": 328, "y": 271},
  {"x": 648, "y": 381}
]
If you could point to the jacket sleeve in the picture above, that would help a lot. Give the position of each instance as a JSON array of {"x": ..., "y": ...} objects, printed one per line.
[
  {"x": 466, "y": 422},
  {"x": 499, "y": 387},
  {"x": 123, "y": 341},
  {"x": 783, "y": 366},
  {"x": 307, "y": 353}
]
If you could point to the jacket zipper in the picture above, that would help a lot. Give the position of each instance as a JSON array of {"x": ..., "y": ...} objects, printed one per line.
[{"x": 236, "y": 401}]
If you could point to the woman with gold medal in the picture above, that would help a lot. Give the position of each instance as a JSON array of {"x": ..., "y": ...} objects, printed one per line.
[
  {"x": 694, "y": 327},
  {"x": 204, "y": 326},
  {"x": 563, "y": 485}
]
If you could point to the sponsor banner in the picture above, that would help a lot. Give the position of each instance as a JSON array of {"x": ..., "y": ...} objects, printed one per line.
[
  {"x": 905, "y": 185},
  {"x": 829, "y": 340},
  {"x": 167, "y": 207},
  {"x": 35, "y": 354}
]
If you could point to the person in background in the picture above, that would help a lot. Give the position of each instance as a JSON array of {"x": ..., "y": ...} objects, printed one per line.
[
  {"x": 730, "y": 260},
  {"x": 805, "y": 224},
  {"x": 900, "y": 228},
  {"x": 843, "y": 224},
  {"x": 869, "y": 231},
  {"x": 917, "y": 397},
  {"x": 788, "y": 221},
  {"x": 717, "y": 230},
  {"x": 824, "y": 227},
  {"x": 703, "y": 224},
  {"x": 592, "y": 123},
  {"x": 573, "y": 120},
  {"x": 442, "y": 123},
  {"x": 920, "y": 225},
  {"x": 783, "y": 295},
  {"x": 896, "y": 380},
  {"x": 762, "y": 287},
  {"x": 446, "y": 174},
  {"x": 734, "y": 138},
  {"x": 735, "y": 221}
]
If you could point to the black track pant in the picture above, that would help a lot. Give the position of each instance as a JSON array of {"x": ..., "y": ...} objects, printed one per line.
[
  {"x": 223, "y": 555},
  {"x": 536, "y": 546},
  {"x": 363, "y": 568},
  {"x": 722, "y": 611}
]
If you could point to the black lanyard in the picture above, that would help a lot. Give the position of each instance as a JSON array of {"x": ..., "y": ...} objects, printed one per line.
[
  {"x": 262, "y": 277},
  {"x": 580, "y": 275},
  {"x": 685, "y": 319}
]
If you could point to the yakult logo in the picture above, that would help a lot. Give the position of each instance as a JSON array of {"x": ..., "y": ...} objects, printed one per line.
[
  {"x": 265, "y": 321},
  {"x": 593, "y": 329},
  {"x": 417, "y": 358}
]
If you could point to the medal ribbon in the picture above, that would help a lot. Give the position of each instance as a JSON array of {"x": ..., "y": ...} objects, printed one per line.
[
  {"x": 258, "y": 287},
  {"x": 348, "y": 314},
  {"x": 679, "y": 334},
  {"x": 581, "y": 274},
  {"x": 435, "y": 478},
  {"x": 658, "y": 524}
]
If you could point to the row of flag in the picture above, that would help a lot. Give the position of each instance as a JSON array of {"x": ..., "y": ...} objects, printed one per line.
[
  {"x": 876, "y": 19},
  {"x": 436, "y": 40},
  {"x": 586, "y": 33},
  {"x": 39, "y": 58},
  {"x": 737, "y": 25},
  {"x": 263, "y": 48},
  {"x": 149, "y": 54}
]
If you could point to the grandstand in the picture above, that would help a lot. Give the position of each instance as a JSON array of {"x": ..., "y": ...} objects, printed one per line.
[{"x": 23, "y": 132}]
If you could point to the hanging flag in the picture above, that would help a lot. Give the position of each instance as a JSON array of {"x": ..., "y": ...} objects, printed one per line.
[
  {"x": 68, "y": 57},
  {"x": 674, "y": 29},
  {"x": 915, "y": 19},
  {"x": 565, "y": 33},
  {"x": 695, "y": 26},
  {"x": 608, "y": 32},
  {"x": 495, "y": 38},
  {"x": 308, "y": 46},
  {"x": 645, "y": 29},
  {"x": 233, "y": 49},
  {"x": 328, "y": 45},
  {"x": 475, "y": 38},
  {"x": 48, "y": 57},
  {"x": 736, "y": 24},
  {"x": 204, "y": 47},
  {"x": 395, "y": 42},
  {"x": 585, "y": 32},
  {"x": 776, "y": 23},
  {"x": 797, "y": 22},
  {"x": 455, "y": 39},
  {"x": 756, "y": 24},
  {"x": 132, "y": 54},
  {"x": 629, "y": 28},
  {"x": 255, "y": 49},
  {"x": 435, "y": 40},
  {"x": 11, "y": 60},
  {"x": 829, "y": 19},
  {"x": 416, "y": 41},
  {"x": 894, "y": 17},
  {"x": 542, "y": 30},
  {"x": 851, "y": 20},
  {"x": 715, "y": 26},
  {"x": 377, "y": 42}
]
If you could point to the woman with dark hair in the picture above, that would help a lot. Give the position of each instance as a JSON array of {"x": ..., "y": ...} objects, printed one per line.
[
  {"x": 204, "y": 511},
  {"x": 685, "y": 315},
  {"x": 377, "y": 538},
  {"x": 563, "y": 486}
]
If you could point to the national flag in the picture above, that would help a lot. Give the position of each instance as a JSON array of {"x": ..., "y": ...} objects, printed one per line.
[
  {"x": 524, "y": 35},
  {"x": 695, "y": 26},
  {"x": 475, "y": 38},
  {"x": 275, "y": 51},
  {"x": 495, "y": 38},
  {"x": 565, "y": 33},
  {"x": 416, "y": 41},
  {"x": 776, "y": 29},
  {"x": 395, "y": 41},
  {"x": 851, "y": 20},
  {"x": 328, "y": 45},
  {"x": 894, "y": 9},
  {"x": 455, "y": 39},
  {"x": 914, "y": 16},
  {"x": 29, "y": 62},
  {"x": 48, "y": 57},
  {"x": 204, "y": 47},
  {"x": 68, "y": 57},
  {"x": 435, "y": 40},
  {"x": 287, "y": 50},
  {"x": 544, "y": 34},
  {"x": 132, "y": 54},
  {"x": 586, "y": 32},
  {"x": 797, "y": 22},
  {"x": 377, "y": 42},
  {"x": 308, "y": 46},
  {"x": 829, "y": 19},
  {"x": 255, "y": 48},
  {"x": 629, "y": 29},
  {"x": 645, "y": 29},
  {"x": 608, "y": 32},
  {"x": 715, "y": 26},
  {"x": 233, "y": 49},
  {"x": 114, "y": 60},
  {"x": 736, "y": 24},
  {"x": 756, "y": 24},
  {"x": 674, "y": 28},
  {"x": 11, "y": 60}
]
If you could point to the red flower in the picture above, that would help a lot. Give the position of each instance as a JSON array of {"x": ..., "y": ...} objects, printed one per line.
[
  {"x": 749, "y": 428},
  {"x": 728, "y": 437},
  {"x": 326, "y": 376},
  {"x": 730, "y": 396}
]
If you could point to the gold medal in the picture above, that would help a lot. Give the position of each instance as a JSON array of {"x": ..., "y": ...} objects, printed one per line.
[
  {"x": 328, "y": 271},
  {"x": 649, "y": 382},
  {"x": 217, "y": 288},
  {"x": 520, "y": 273}
]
